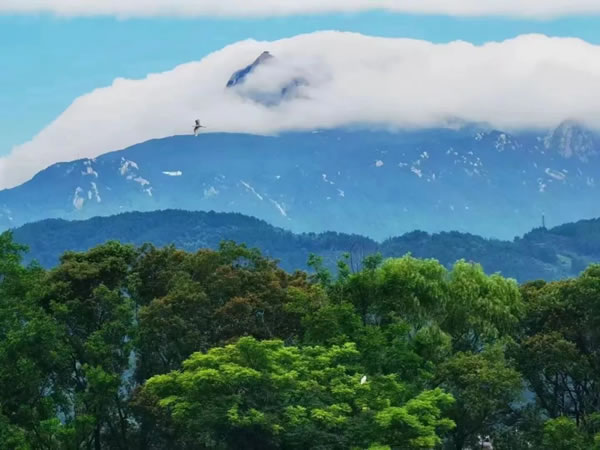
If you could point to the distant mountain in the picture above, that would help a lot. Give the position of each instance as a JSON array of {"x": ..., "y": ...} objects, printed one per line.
[
  {"x": 48, "y": 239},
  {"x": 275, "y": 92},
  {"x": 552, "y": 254},
  {"x": 376, "y": 183},
  {"x": 571, "y": 140},
  {"x": 240, "y": 76}
]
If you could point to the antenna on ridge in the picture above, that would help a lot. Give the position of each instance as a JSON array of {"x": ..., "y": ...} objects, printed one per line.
[{"x": 544, "y": 221}]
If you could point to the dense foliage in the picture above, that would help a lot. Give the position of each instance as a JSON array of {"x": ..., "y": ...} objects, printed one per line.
[
  {"x": 548, "y": 254},
  {"x": 124, "y": 347}
]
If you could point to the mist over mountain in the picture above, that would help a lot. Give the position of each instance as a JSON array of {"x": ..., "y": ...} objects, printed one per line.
[
  {"x": 365, "y": 179},
  {"x": 282, "y": 84},
  {"x": 331, "y": 80}
]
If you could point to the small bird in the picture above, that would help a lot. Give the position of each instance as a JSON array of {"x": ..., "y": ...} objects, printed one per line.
[
  {"x": 197, "y": 127},
  {"x": 363, "y": 380}
]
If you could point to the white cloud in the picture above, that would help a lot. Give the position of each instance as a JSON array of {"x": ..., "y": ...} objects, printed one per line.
[
  {"x": 240, "y": 8},
  {"x": 529, "y": 81}
]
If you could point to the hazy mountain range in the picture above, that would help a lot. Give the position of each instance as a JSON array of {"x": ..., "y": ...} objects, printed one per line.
[
  {"x": 375, "y": 183},
  {"x": 364, "y": 180},
  {"x": 540, "y": 254}
]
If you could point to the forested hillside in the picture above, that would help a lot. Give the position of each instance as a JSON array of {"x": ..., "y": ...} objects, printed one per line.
[
  {"x": 541, "y": 254},
  {"x": 125, "y": 347}
]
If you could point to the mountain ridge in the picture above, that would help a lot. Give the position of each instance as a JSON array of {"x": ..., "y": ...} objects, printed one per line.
[
  {"x": 372, "y": 182},
  {"x": 466, "y": 176},
  {"x": 270, "y": 95},
  {"x": 550, "y": 254}
]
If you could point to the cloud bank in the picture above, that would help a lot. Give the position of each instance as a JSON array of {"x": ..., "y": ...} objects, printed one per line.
[
  {"x": 528, "y": 82},
  {"x": 266, "y": 8}
]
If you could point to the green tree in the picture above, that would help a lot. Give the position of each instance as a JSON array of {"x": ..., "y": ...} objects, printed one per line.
[
  {"x": 207, "y": 299},
  {"x": 87, "y": 296},
  {"x": 433, "y": 326},
  {"x": 262, "y": 394},
  {"x": 558, "y": 352},
  {"x": 485, "y": 388},
  {"x": 480, "y": 309},
  {"x": 470, "y": 306},
  {"x": 32, "y": 357},
  {"x": 148, "y": 348},
  {"x": 193, "y": 302},
  {"x": 562, "y": 433}
]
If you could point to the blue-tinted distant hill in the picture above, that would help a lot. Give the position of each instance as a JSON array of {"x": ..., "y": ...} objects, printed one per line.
[
  {"x": 375, "y": 183},
  {"x": 541, "y": 254}
]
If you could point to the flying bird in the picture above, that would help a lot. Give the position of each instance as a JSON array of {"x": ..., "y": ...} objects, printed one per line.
[
  {"x": 197, "y": 127},
  {"x": 363, "y": 380}
]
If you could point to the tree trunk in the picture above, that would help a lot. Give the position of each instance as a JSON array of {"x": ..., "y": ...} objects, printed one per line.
[
  {"x": 144, "y": 434},
  {"x": 97, "y": 443}
]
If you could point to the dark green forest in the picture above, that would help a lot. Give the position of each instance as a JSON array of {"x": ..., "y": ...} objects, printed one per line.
[
  {"x": 549, "y": 254},
  {"x": 125, "y": 347}
]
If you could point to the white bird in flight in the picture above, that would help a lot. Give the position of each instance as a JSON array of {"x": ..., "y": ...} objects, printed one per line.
[
  {"x": 363, "y": 380},
  {"x": 197, "y": 127}
]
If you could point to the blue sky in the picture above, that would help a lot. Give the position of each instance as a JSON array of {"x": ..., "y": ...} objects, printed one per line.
[{"x": 47, "y": 61}]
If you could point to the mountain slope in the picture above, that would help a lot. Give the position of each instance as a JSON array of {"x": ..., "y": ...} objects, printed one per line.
[
  {"x": 274, "y": 92},
  {"x": 241, "y": 75},
  {"x": 48, "y": 239},
  {"x": 376, "y": 183},
  {"x": 547, "y": 254}
]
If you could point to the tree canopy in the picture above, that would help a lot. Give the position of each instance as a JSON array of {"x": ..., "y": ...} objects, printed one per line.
[{"x": 124, "y": 347}]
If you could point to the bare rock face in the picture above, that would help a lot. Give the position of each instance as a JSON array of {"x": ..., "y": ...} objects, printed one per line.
[
  {"x": 285, "y": 86},
  {"x": 572, "y": 140}
]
